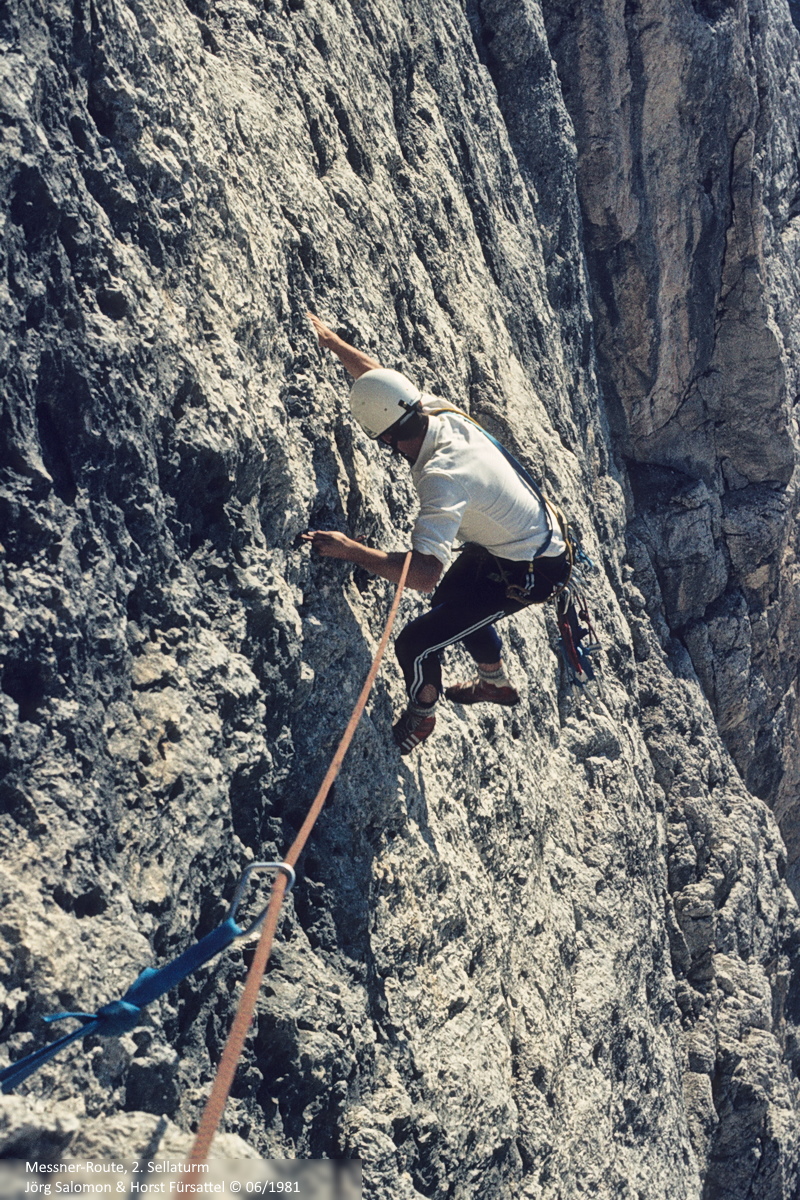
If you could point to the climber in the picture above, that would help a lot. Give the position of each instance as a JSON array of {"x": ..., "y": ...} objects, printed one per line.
[{"x": 514, "y": 553}]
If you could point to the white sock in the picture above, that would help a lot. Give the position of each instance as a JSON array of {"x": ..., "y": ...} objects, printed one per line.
[{"x": 497, "y": 677}]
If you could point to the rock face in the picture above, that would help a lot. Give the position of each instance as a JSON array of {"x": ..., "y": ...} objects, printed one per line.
[
  {"x": 688, "y": 179},
  {"x": 555, "y": 952}
]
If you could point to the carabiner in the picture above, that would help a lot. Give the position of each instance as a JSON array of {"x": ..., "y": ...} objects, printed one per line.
[{"x": 242, "y": 884}]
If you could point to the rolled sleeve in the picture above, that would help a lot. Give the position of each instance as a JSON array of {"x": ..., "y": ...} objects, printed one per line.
[{"x": 442, "y": 505}]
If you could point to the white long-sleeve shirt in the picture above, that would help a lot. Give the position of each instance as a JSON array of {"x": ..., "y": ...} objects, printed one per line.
[{"x": 470, "y": 492}]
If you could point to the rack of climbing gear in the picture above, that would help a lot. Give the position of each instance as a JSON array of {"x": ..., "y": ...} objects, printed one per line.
[
  {"x": 573, "y": 617},
  {"x": 121, "y": 1016}
]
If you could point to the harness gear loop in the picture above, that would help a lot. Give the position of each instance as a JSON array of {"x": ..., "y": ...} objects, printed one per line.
[{"x": 518, "y": 592}]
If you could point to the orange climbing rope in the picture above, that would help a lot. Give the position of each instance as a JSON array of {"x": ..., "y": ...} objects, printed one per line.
[{"x": 215, "y": 1105}]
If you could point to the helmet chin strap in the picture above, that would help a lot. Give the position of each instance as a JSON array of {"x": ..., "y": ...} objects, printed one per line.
[
  {"x": 394, "y": 433},
  {"x": 402, "y": 454},
  {"x": 391, "y": 441}
]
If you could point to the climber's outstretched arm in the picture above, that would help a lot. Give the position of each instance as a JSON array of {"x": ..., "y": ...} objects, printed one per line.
[
  {"x": 423, "y": 573},
  {"x": 354, "y": 361}
]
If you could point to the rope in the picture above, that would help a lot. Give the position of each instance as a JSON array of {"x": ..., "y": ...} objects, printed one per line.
[{"x": 220, "y": 1090}]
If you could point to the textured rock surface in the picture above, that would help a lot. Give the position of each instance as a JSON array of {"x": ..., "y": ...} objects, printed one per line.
[
  {"x": 556, "y": 952},
  {"x": 688, "y": 177}
]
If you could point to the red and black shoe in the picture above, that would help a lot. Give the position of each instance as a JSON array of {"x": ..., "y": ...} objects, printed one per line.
[
  {"x": 477, "y": 691},
  {"x": 413, "y": 728}
]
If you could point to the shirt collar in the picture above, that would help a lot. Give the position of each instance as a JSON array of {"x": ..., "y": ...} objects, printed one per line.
[{"x": 428, "y": 444}]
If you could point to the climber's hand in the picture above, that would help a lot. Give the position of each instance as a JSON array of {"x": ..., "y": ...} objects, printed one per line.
[
  {"x": 331, "y": 544},
  {"x": 354, "y": 361},
  {"x": 325, "y": 336}
]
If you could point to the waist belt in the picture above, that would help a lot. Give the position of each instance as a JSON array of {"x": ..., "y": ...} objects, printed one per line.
[{"x": 519, "y": 593}]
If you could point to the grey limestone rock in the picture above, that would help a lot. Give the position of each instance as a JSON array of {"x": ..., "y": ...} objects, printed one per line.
[
  {"x": 555, "y": 952},
  {"x": 688, "y": 179}
]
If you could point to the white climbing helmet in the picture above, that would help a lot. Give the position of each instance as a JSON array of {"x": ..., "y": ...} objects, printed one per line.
[{"x": 381, "y": 397}]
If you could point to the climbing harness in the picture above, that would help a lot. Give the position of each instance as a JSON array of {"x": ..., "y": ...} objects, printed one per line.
[
  {"x": 574, "y": 623},
  {"x": 121, "y": 1016},
  {"x": 521, "y": 593}
]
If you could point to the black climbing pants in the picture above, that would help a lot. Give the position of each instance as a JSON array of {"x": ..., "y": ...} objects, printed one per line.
[{"x": 471, "y": 597}]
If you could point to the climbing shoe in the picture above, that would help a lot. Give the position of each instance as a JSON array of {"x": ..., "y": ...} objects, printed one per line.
[
  {"x": 414, "y": 727},
  {"x": 476, "y": 691}
]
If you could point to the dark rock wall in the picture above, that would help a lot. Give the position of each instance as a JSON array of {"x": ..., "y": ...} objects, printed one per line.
[
  {"x": 555, "y": 952},
  {"x": 688, "y": 179}
]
